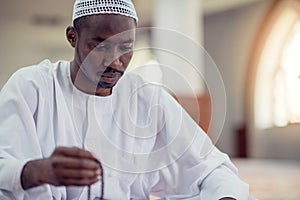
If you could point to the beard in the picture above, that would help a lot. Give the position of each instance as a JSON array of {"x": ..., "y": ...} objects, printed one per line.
[{"x": 109, "y": 73}]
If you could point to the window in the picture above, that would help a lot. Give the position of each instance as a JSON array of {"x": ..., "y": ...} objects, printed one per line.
[
  {"x": 287, "y": 85},
  {"x": 277, "y": 84}
]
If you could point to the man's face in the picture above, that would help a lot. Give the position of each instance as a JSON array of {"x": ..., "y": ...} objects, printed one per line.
[{"x": 104, "y": 48}]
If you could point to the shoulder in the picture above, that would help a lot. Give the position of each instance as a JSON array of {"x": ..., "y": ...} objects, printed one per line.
[
  {"x": 35, "y": 72},
  {"x": 29, "y": 72},
  {"x": 133, "y": 85},
  {"x": 131, "y": 79},
  {"x": 33, "y": 76}
]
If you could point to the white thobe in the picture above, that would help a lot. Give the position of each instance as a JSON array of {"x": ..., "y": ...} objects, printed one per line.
[{"x": 146, "y": 142}]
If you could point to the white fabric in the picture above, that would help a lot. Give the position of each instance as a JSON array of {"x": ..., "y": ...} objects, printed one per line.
[
  {"x": 91, "y": 7},
  {"x": 41, "y": 109}
]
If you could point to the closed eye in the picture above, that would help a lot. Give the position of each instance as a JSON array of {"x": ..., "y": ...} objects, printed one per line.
[
  {"x": 102, "y": 46},
  {"x": 126, "y": 47}
]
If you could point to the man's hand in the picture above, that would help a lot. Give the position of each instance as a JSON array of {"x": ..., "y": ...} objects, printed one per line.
[{"x": 66, "y": 166}]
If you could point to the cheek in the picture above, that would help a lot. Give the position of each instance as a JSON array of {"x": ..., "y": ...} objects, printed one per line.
[
  {"x": 95, "y": 57},
  {"x": 87, "y": 57},
  {"x": 126, "y": 58},
  {"x": 93, "y": 60}
]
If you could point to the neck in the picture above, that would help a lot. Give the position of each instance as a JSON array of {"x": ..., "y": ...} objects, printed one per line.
[{"x": 80, "y": 81}]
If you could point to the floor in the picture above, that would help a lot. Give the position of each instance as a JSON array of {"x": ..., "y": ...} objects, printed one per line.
[{"x": 271, "y": 179}]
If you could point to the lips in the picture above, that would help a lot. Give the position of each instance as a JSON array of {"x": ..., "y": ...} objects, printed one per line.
[{"x": 109, "y": 77}]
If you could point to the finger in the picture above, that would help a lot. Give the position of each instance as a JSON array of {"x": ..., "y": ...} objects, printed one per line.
[
  {"x": 74, "y": 152},
  {"x": 78, "y": 174},
  {"x": 78, "y": 182},
  {"x": 74, "y": 163}
]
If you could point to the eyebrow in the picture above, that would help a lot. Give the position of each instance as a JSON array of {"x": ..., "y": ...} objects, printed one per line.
[{"x": 99, "y": 39}]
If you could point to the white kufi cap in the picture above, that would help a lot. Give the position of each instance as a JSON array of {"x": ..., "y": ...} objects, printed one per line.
[{"x": 91, "y": 7}]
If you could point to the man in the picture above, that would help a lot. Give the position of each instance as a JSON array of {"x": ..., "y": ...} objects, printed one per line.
[{"x": 68, "y": 130}]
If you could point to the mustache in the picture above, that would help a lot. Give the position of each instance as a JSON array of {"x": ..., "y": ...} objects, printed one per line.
[{"x": 113, "y": 70}]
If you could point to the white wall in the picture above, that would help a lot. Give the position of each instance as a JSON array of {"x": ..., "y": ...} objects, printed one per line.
[
  {"x": 25, "y": 40},
  {"x": 228, "y": 38}
]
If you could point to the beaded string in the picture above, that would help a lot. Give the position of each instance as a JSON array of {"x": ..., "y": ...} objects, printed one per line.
[
  {"x": 101, "y": 168},
  {"x": 102, "y": 185}
]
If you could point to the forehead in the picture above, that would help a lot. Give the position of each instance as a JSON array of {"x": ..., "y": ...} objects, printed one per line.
[{"x": 109, "y": 26}]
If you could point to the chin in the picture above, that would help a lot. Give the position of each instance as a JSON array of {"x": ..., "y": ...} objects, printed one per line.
[{"x": 105, "y": 85}]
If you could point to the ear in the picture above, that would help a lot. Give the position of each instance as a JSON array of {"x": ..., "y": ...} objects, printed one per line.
[{"x": 71, "y": 35}]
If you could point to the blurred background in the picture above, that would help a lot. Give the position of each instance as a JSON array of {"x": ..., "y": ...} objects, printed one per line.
[{"x": 254, "y": 44}]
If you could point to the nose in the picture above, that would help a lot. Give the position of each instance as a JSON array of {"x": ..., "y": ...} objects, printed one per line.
[
  {"x": 114, "y": 63},
  {"x": 112, "y": 59}
]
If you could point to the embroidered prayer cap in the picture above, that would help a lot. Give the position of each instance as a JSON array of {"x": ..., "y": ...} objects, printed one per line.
[{"x": 91, "y": 7}]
